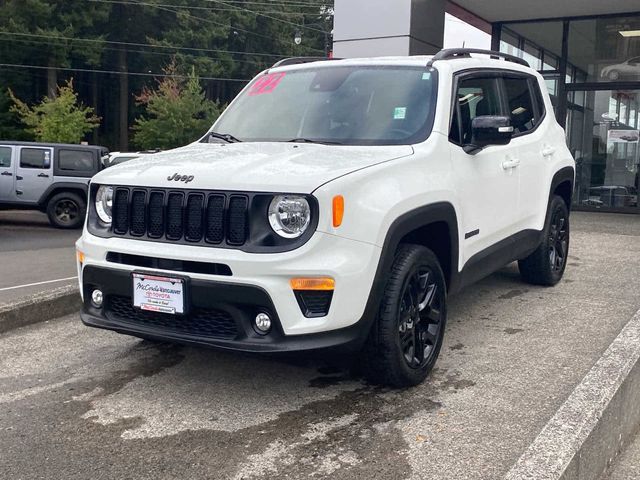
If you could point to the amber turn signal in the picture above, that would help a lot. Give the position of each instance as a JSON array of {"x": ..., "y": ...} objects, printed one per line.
[
  {"x": 80, "y": 257},
  {"x": 338, "y": 210},
  {"x": 321, "y": 283}
]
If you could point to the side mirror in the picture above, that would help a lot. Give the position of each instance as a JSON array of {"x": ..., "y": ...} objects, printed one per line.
[{"x": 489, "y": 130}]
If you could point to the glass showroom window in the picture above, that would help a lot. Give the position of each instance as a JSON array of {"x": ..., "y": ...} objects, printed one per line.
[
  {"x": 604, "y": 136},
  {"x": 605, "y": 49}
]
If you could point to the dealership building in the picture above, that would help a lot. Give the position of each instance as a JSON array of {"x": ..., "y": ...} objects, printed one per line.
[{"x": 587, "y": 50}]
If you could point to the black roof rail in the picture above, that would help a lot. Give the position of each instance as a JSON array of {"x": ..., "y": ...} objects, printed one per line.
[
  {"x": 298, "y": 60},
  {"x": 453, "y": 53}
]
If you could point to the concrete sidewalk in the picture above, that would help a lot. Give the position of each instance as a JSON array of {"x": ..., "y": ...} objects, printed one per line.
[
  {"x": 627, "y": 467},
  {"x": 81, "y": 403}
]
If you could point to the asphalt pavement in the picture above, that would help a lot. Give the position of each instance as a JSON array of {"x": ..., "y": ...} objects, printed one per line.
[
  {"x": 34, "y": 257},
  {"x": 83, "y": 403}
]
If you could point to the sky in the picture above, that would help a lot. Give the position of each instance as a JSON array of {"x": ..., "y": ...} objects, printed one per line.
[{"x": 456, "y": 32}]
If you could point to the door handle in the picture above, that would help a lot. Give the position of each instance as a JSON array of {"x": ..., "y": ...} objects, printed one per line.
[
  {"x": 43, "y": 175},
  {"x": 19, "y": 192},
  {"x": 18, "y": 177},
  {"x": 6, "y": 174},
  {"x": 508, "y": 164},
  {"x": 548, "y": 151}
]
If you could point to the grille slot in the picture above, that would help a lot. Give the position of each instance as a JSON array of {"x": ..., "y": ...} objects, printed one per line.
[
  {"x": 215, "y": 219},
  {"x": 202, "y": 322},
  {"x": 237, "y": 233},
  {"x": 138, "y": 221},
  {"x": 177, "y": 216},
  {"x": 155, "y": 228},
  {"x": 121, "y": 211},
  {"x": 174, "y": 216},
  {"x": 193, "y": 229}
]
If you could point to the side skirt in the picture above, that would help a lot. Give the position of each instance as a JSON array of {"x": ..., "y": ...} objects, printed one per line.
[{"x": 495, "y": 257}]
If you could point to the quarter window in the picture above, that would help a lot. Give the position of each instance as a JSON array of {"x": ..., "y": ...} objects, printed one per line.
[
  {"x": 521, "y": 110},
  {"x": 35, "y": 158},
  {"x": 5, "y": 157},
  {"x": 475, "y": 97},
  {"x": 75, "y": 160}
]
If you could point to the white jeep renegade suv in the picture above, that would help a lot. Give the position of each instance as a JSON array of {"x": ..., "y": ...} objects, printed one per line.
[{"x": 335, "y": 204}]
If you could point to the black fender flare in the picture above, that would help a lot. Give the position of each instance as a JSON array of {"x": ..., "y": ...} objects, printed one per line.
[
  {"x": 563, "y": 175},
  {"x": 403, "y": 225},
  {"x": 62, "y": 186}
]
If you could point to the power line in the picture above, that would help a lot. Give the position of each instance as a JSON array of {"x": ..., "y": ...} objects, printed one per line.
[
  {"x": 267, "y": 16},
  {"x": 144, "y": 52},
  {"x": 134, "y": 44},
  {"x": 216, "y": 9},
  {"x": 207, "y": 20},
  {"x": 138, "y": 74}
]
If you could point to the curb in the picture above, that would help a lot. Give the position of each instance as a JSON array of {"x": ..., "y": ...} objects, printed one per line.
[
  {"x": 596, "y": 422},
  {"x": 40, "y": 307}
]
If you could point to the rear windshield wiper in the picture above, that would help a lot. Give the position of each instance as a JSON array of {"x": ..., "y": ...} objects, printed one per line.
[
  {"x": 227, "y": 137},
  {"x": 310, "y": 140}
]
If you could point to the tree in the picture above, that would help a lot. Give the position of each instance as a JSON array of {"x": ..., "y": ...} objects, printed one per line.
[
  {"x": 60, "y": 119},
  {"x": 177, "y": 112}
]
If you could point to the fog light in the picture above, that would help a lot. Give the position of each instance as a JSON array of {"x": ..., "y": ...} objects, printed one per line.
[
  {"x": 263, "y": 323},
  {"x": 96, "y": 298}
]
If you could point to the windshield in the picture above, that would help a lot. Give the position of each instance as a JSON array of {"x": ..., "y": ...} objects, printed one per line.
[{"x": 353, "y": 105}]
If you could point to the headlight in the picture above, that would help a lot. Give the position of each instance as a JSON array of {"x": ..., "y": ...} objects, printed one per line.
[
  {"x": 104, "y": 202},
  {"x": 289, "y": 215}
]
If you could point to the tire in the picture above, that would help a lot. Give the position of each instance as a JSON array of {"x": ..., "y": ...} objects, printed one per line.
[
  {"x": 613, "y": 75},
  {"x": 545, "y": 266},
  {"x": 66, "y": 210},
  {"x": 413, "y": 312}
]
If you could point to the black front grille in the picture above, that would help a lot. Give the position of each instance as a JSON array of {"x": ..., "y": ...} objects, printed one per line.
[
  {"x": 196, "y": 217},
  {"x": 203, "y": 322}
]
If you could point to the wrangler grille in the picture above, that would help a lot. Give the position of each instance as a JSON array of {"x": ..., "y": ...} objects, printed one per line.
[{"x": 192, "y": 217}]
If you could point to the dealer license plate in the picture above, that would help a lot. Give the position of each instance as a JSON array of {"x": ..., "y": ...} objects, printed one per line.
[{"x": 158, "y": 294}]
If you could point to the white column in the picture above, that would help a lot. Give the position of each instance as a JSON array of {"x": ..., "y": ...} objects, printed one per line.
[{"x": 373, "y": 28}]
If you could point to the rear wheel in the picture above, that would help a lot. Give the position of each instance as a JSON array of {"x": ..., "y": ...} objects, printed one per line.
[
  {"x": 66, "y": 210},
  {"x": 545, "y": 266},
  {"x": 406, "y": 339}
]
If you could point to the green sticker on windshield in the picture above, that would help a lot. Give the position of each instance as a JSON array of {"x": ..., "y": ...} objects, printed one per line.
[
  {"x": 400, "y": 113},
  {"x": 426, "y": 76}
]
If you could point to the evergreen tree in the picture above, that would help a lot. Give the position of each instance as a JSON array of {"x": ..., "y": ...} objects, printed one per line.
[
  {"x": 59, "y": 119},
  {"x": 177, "y": 112}
]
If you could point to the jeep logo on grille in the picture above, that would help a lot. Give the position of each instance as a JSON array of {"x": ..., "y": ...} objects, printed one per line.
[{"x": 180, "y": 178}]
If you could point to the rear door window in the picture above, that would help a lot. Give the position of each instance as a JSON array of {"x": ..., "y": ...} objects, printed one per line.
[
  {"x": 5, "y": 157},
  {"x": 75, "y": 160},
  {"x": 35, "y": 158}
]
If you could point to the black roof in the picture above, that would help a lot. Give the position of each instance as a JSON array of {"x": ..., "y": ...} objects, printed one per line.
[{"x": 45, "y": 144}]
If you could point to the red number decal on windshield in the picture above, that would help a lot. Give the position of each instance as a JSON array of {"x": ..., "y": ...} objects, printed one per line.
[{"x": 266, "y": 84}]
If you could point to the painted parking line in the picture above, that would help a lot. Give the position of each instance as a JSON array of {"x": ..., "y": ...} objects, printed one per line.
[{"x": 37, "y": 283}]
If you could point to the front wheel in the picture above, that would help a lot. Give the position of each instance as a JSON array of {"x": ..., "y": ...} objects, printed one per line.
[
  {"x": 545, "y": 266},
  {"x": 405, "y": 341},
  {"x": 66, "y": 210}
]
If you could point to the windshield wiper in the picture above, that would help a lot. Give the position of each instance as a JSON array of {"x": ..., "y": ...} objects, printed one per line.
[
  {"x": 227, "y": 137},
  {"x": 310, "y": 140}
]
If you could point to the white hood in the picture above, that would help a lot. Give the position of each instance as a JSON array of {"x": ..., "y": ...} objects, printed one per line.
[{"x": 276, "y": 167}]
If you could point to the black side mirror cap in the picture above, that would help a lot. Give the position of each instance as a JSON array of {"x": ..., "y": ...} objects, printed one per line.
[{"x": 487, "y": 130}]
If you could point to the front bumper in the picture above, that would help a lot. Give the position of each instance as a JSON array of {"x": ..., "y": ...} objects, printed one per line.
[{"x": 258, "y": 282}]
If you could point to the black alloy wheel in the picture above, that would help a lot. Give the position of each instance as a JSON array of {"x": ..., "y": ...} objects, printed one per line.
[
  {"x": 66, "y": 210},
  {"x": 405, "y": 340},
  {"x": 558, "y": 241},
  {"x": 546, "y": 265},
  {"x": 419, "y": 318}
]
